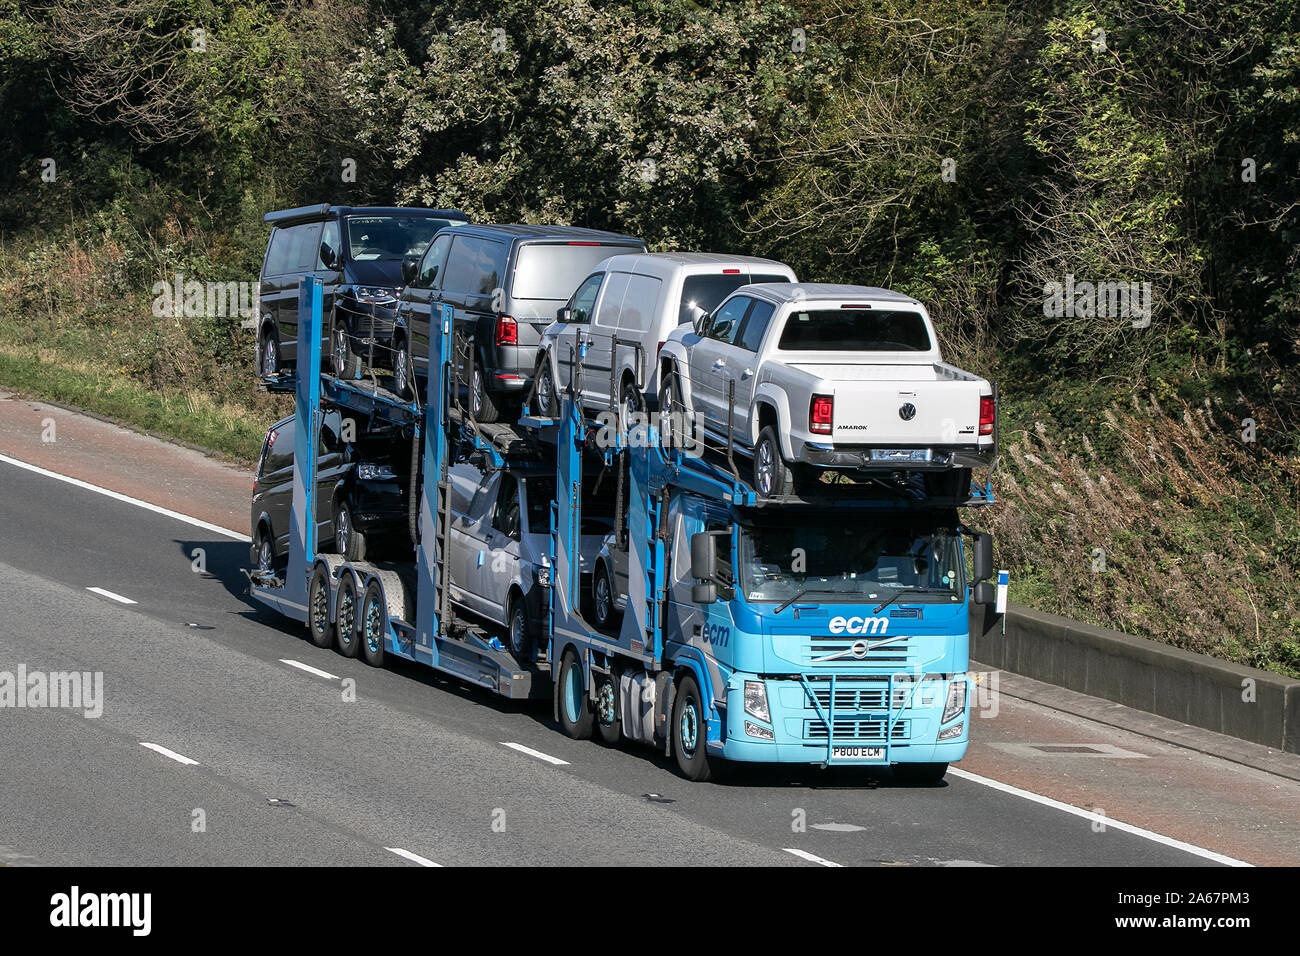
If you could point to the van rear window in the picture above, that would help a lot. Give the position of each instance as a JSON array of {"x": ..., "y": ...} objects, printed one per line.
[
  {"x": 554, "y": 270},
  {"x": 854, "y": 330},
  {"x": 705, "y": 293}
]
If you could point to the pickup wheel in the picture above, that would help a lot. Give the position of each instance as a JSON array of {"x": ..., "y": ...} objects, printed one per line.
[
  {"x": 374, "y": 625},
  {"x": 545, "y": 390},
  {"x": 318, "y": 608},
  {"x": 689, "y": 731},
  {"x": 606, "y": 717},
  {"x": 346, "y": 641},
  {"x": 673, "y": 418},
  {"x": 575, "y": 712},
  {"x": 923, "y": 773},
  {"x": 772, "y": 476}
]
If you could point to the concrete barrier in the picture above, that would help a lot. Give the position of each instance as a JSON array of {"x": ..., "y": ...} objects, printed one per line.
[{"x": 1202, "y": 691}]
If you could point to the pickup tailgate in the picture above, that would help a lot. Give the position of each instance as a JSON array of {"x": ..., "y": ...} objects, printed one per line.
[{"x": 900, "y": 405}]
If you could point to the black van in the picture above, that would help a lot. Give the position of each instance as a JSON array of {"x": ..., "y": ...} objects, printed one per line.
[
  {"x": 357, "y": 251},
  {"x": 505, "y": 284}
]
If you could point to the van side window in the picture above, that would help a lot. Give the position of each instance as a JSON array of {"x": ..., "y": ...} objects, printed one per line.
[
  {"x": 432, "y": 263},
  {"x": 611, "y": 299},
  {"x": 329, "y": 434},
  {"x": 755, "y": 327},
  {"x": 639, "y": 303},
  {"x": 726, "y": 323},
  {"x": 505, "y": 516},
  {"x": 584, "y": 300},
  {"x": 280, "y": 452},
  {"x": 476, "y": 265}
]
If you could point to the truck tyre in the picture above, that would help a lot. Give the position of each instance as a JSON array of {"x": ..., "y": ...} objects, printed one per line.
[
  {"x": 517, "y": 637},
  {"x": 602, "y": 597},
  {"x": 343, "y": 358},
  {"x": 374, "y": 625},
  {"x": 319, "y": 630},
  {"x": 772, "y": 476},
  {"x": 606, "y": 715},
  {"x": 689, "y": 732},
  {"x": 346, "y": 641},
  {"x": 481, "y": 403},
  {"x": 923, "y": 773},
  {"x": 348, "y": 541},
  {"x": 575, "y": 710},
  {"x": 547, "y": 402}
]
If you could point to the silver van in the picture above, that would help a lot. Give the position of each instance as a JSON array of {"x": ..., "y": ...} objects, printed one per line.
[{"x": 625, "y": 311}]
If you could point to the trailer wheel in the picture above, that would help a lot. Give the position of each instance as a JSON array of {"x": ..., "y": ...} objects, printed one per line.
[
  {"x": 374, "y": 625},
  {"x": 606, "y": 717},
  {"x": 575, "y": 713},
  {"x": 922, "y": 773},
  {"x": 689, "y": 731},
  {"x": 345, "y": 616},
  {"x": 772, "y": 477},
  {"x": 318, "y": 608}
]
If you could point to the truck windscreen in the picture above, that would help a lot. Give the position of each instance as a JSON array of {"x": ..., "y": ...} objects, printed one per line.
[{"x": 847, "y": 561}]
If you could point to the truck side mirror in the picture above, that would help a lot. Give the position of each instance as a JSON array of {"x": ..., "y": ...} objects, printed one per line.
[
  {"x": 704, "y": 593},
  {"x": 983, "y": 560},
  {"x": 409, "y": 265},
  {"x": 986, "y": 593},
  {"x": 704, "y": 561}
]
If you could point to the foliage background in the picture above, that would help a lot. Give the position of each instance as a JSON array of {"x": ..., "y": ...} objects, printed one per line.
[{"x": 710, "y": 126}]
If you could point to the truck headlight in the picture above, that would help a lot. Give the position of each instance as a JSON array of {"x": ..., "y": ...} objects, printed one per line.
[
  {"x": 756, "y": 700},
  {"x": 956, "y": 700}
]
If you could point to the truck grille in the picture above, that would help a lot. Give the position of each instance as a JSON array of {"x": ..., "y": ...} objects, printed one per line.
[
  {"x": 853, "y": 728},
  {"x": 860, "y": 693},
  {"x": 842, "y": 648}
]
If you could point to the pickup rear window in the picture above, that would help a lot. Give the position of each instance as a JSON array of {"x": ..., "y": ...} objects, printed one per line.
[{"x": 854, "y": 330}]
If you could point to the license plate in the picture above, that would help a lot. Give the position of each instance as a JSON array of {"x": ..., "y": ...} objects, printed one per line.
[{"x": 857, "y": 753}]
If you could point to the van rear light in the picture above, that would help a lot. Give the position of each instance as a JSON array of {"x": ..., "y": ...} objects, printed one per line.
[
  {"x": 820, "y": 413},
  {"x": 507, "y": 331},
  {"x": 986, "y": 414}
]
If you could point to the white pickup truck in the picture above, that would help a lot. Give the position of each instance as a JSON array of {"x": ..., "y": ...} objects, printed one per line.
[{"x": 840, "y": 377}]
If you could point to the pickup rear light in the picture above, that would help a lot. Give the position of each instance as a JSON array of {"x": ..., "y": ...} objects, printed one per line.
[
  {"x": 731, "y": 272},
  {"x": 820, "y": 413},
  {"x": 986, "y": 414},
  {"x": 507, "y": 331}
]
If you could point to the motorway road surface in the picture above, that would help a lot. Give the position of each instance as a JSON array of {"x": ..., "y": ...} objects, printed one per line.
[{"x": 256, "y": 757}]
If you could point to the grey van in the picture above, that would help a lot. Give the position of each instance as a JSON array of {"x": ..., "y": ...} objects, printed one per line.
[
  {"x": 357, "y": 252},
  {"x": 504, "y": 284}
]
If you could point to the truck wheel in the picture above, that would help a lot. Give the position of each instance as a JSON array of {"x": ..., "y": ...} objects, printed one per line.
[
  {"x": 481, "y": 403},
  {"x": 547, "y": 403},
  {"x": 689, "y": 731},
  {"x": 346, "y": 641},
  {"x": 925, "y": 773},
  {"x": 772, "y": 477},
  {"x": 517, "y": 635},
  {"x": 374, "y": 625},
  {"x": 345, "y": 362},
  {"x": 602, "y": 598},
  {"x": 348, "y": 541},
  {"x": 318, "y": 608},
  {"x": 606, "y": 716},
  {"x": 575, "y": 713}
]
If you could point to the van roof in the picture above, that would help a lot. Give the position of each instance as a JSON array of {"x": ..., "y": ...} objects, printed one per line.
[
  {"x": 289, "y": 217},
  {"x": 664, "y": 263},
  {"x": 783, "y": 292},
  {"x": 526, "y": 231}
]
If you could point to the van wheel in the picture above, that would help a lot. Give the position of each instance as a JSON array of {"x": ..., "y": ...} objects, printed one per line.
[
  {"x": 575, "y": 713},
  {"x": 345, "y": 616},
  {"x": 345, "y": 362},
  {"x": 265, "y": 551},
  {"x": 318, "y": 608},
  {"x": 374, "y": 625},
  {"x": 348, "y": 541},
  {"x": 689, "y": 731},
  {"x": 606, "y": 717},
  {"x": 602, "y": 598},
  {"x": 517, "y": 629},
  {"x": 772, "y": 477},
  {"x": 547, "y": 404},
  {"x": 481, "y": 403},
  {"x": 270, "y": 365},
  {"x": 924, "y": 773},
  {"x": 403, "y": 384},
  {"x": 631, "y": 403}
]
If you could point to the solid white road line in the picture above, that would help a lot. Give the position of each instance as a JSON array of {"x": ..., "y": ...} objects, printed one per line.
[
  {"x": 110, "y": 595},
  {"x": 126, "y": 498},
  {"x": 309, "y": 669},
  {"x": 535, "y": 753},
  {"x": 1108, "y": 822},
  {"x": 805, "y": 855},
  {"x": 413, "y": 857},
  {"x": 179, "y": 758}
]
